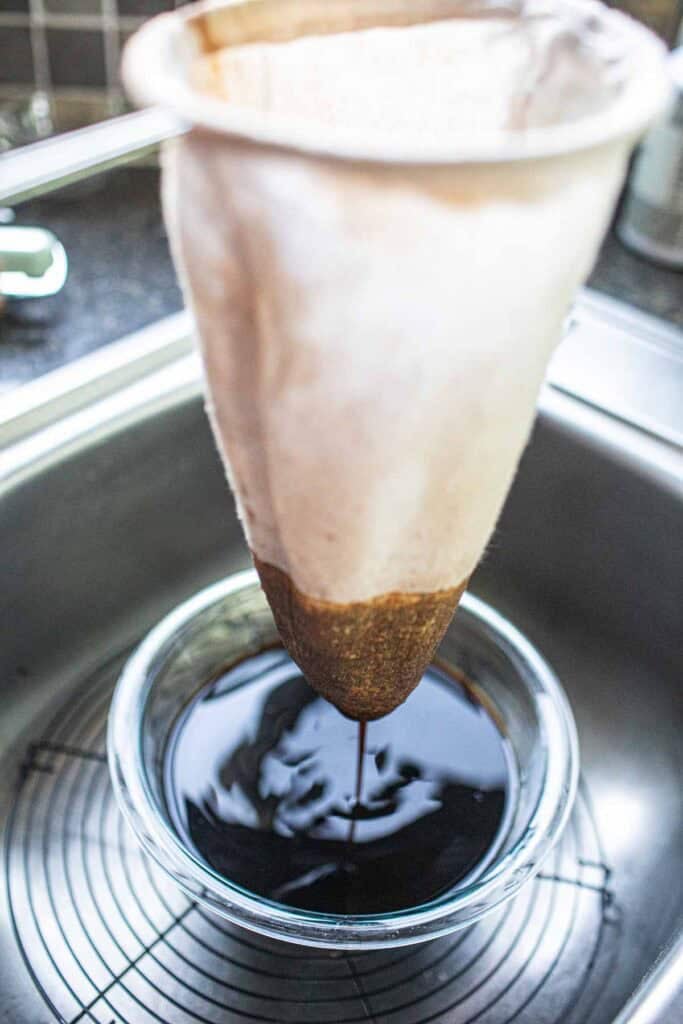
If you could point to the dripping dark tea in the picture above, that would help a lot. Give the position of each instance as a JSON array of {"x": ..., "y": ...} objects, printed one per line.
[{"x": 270, "y": 786}]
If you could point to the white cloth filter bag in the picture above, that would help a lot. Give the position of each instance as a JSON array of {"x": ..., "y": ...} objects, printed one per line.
[{"x": 380, "y": 227}]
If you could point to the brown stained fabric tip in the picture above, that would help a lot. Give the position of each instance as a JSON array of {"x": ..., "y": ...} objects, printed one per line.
[{"x": 365, "y": 657}]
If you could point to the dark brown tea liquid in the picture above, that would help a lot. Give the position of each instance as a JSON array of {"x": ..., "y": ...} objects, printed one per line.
[{"x": 281, "y": 794}]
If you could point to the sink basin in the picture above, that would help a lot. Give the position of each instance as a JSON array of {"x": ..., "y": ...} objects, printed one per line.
[{"x": 114, "y": 508}]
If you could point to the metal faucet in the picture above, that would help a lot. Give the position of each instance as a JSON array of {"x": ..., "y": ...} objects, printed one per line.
[
  {"x": 33, "y": 262},
  {"x": 64, "y": 159}
]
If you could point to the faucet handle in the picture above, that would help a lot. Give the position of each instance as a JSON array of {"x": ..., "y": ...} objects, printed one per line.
[{"x": 33, "y": 263}]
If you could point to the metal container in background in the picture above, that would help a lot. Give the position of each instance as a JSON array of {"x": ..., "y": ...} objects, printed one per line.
[{"x": 651, "y": 220}]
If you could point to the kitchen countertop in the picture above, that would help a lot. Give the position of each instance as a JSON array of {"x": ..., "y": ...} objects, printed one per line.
[
  {"x": 120, "y": 273},
  {"x": 121, "y": 276}
]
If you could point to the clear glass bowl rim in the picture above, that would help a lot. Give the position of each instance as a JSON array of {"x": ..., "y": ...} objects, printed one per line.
[{"x": 501, "y": 880}]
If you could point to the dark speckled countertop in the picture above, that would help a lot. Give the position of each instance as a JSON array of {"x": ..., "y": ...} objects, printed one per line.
[
  {"x": 120, "y": 273},
  {"x": 121, "y": 276}
]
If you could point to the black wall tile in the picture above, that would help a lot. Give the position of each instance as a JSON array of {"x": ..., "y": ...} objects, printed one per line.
[
  {"x": 16, "y": 56},
  {"x": 14, "y": 6},
  {"x": 76, "y": 57},
  {"x": 73, "y": 6},
  {"x": 144, "y": 7}
]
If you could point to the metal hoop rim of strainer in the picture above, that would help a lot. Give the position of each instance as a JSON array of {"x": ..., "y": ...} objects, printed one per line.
[
  {"x": 156, "y": 70},
  {"x": 502, "y": 878}
]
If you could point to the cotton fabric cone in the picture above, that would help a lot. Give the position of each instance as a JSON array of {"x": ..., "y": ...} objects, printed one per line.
[
  {"x": 370, "y": 403},
  {"x": 374, "y": 334}
]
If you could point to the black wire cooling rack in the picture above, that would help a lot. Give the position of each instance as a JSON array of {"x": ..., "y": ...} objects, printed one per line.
[{"x": 107, "y": 937}]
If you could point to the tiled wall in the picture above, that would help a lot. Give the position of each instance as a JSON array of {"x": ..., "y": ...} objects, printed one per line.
[{"x": 59, "y": 59}]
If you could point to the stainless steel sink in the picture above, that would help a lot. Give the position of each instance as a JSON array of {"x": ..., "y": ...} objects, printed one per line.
[{"x": 113, "y": 508}]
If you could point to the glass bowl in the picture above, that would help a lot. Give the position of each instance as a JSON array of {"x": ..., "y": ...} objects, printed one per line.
[{"x": 230, "y": 620}]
